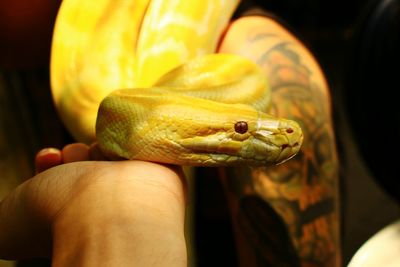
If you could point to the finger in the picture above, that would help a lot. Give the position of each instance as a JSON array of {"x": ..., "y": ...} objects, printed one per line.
[
  {"x": 47, "y": 158},
  {"x": 95, "y": 153},
  {"x": 75, "y": 152}
]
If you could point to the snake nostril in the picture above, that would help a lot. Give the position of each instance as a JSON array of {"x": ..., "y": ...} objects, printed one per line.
[
  {"x": 289, "y": 130},
  {"x": 284, "y": 146}
]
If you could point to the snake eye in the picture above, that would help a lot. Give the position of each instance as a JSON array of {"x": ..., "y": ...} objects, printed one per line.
[{"x": 241, "y": 127}]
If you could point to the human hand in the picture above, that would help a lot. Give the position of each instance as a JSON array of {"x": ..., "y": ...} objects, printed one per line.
[{"x": 96, "y": 213}]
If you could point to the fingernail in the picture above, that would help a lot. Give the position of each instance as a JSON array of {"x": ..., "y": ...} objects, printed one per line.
[{"x": 49, "y": 150}]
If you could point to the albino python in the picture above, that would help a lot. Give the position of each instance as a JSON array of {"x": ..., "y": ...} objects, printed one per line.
[{"x": 141, "y": 78}]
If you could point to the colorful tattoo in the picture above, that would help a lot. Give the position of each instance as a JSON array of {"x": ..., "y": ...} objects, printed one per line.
[{"x": 291, "y": 207}]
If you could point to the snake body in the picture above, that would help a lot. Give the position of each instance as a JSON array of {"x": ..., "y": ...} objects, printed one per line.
[{"x": 186, "y": 105}]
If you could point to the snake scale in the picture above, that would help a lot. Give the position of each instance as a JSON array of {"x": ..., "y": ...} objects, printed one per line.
[{"x": 141, "y": 78}]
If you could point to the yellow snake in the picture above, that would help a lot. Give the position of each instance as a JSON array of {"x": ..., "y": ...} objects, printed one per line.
[{"x": 165, "y": 96}]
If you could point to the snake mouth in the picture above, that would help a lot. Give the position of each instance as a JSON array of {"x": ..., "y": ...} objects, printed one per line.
[
  {"x": 205, "y": 152},
  {"x": 287, "y": 152},
  {"x": 291, "y": 148},
  {"x": 271, "y": 154}
]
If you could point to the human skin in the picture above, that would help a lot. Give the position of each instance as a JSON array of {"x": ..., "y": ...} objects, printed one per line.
[
  {"x": 287, "y": 215},
  {"x": 96, "y": 213}
]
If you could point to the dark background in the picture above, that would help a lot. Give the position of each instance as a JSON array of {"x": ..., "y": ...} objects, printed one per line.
[{"x": 355, "y": 42}]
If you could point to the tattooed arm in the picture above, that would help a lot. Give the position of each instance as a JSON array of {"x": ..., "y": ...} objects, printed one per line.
[{"x": 287, "y": 215}]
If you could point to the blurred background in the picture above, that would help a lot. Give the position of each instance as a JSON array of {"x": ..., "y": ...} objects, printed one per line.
[{"x": 357, "y": 44}]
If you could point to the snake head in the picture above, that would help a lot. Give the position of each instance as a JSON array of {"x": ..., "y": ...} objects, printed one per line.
[
  {"x": 254, "y": 139},
  {"x": 273, "y": 140},
  {"x": 265, "y": 141}
]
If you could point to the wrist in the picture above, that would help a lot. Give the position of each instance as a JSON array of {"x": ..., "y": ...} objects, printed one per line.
[{"x": 137, "y": 221}]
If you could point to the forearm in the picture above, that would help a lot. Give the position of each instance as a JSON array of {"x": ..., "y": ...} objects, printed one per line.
[{"x": 303, "y": 192}]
